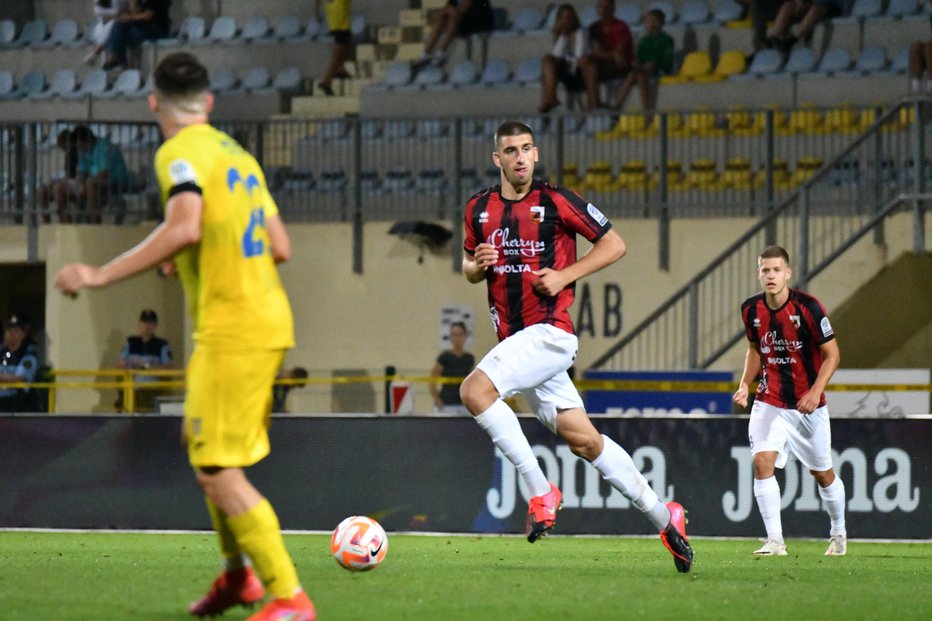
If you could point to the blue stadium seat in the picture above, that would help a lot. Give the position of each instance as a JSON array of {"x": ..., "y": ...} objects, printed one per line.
[
  {"x": 431, "y": 75},
  {"x": 255, "y": 79},
  {"x": 288, "y": 80},
  {"x": 463, "y": 74},
  {"x": 764, "y": 63},
  {"x": 727, "y": 11},
  {"x": 65, "y": 32},
  {"x": 7, "y": 32},
  {"x": 223, "y": 80},
  {"x": 431, "y": 180},
  {"x": 527, "y": 19},
  {"x": 63, "y": 82},
  {"x": 668, "y": 9},
  {"x": 902, "y": 8},
  {"x": 128, "y": 82},
  {"x": 223, "y": 30},
  {"x": 192, "y": 30},
  {"x": 314, "y": 29},
  {"x": 332, "y": 181},
  {"x": 398, "y": 180},
  {"x": 369, "y": 181},
  {"x": 694, "y": 12},
  {"x": 398, "y": 129},
  {"x": 288, "y": 27},
  {"x": 33, "y": 32},
  {"x": 801, "y": 60},
  {"x": 835, "y": 60},
  {"x": 94, "y": 83},
  {"x": 631, "y": 14},
  {"x": 255, "y": 28},
  {"x": 6, "y": 83},
  {"x": 863, "y": 9},
  {"x": 429, "y": 129},
  {"x": 871, "y": 60},
  {"x": 397, "y": 74},
  {"x": 528, "y": 71},
  {"x": 900, "y": 62},
  {"x": 496, "y": 72},
  {"x": 358, "y": 28}
]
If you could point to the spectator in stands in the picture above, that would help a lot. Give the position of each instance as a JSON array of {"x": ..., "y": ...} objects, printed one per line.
[
  {"x": 561, "y": 65},
  {"x": 280, "y": 391},
  {"x": 65, "y": 186},
  {"x": 459, "y": 18},
  {"x": 920, "y": 61},
  {"x": 147, "y": 20},
  {"x": 808, "y": 13},
  {"x": 19, "y": 362},
  {"x": 102, "y": 174},
  {"x": 761, "y": 13},
  {"x": 455, "y": 362},
  {"x": 105, "y": 14},
  {"x": 339, "y": 18},
  {"x": 654, "y": 58},
  {"x": 612, "y": 52},
  {"x": 145, "y": 351}
]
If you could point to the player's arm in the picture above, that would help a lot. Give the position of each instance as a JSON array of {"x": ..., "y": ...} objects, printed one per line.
[
  {"x": 181, "y": 228},
  {"x": 831, "y": 358},
  {"x": 752, "y": 369},
  {"x": 278, "y": 239},
  {"x": 605, "y": 251},
  {"x": 475, "y": 264}
]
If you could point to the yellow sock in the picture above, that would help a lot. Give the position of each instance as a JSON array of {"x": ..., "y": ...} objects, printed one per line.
[
  {"x": 258, "y": 534},
  {"x": 228, "y": 546}
]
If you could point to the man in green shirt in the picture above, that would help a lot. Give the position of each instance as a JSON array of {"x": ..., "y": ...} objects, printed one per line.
[{"x": 654, "y": 57}]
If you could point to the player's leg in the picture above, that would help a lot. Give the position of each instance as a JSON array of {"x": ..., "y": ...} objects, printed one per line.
[
  {"x": 812, "y": 443},
  {"x": 521, "y": 361},
  {"x": 226, "y": 418},
  {"x": 558, "y": 405},
  {"x": 767, "y": 438}
]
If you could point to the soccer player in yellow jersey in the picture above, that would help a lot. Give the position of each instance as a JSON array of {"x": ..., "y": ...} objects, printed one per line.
[{"x": 224, "y": 235}]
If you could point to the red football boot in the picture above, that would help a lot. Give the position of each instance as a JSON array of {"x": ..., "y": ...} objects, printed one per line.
[
  {"x": 674, "y": 538},
  {"x": 235, "y": 587},
  {"x": 542, "y": 513},
  {"x": 297, "y": 608}
]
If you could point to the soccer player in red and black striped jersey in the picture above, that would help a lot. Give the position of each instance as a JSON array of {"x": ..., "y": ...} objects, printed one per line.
[
  {"x": 792, "y": 347},
  {"x": 521, "y": 241}
]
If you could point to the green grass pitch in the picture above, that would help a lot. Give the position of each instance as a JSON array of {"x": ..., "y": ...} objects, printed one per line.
[{"x": 115, "y": 576}]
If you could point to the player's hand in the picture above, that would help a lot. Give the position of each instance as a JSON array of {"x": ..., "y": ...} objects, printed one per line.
[
  {"x": 167, "y": 269},
  {"x": 741, "y": 396},
  {"x": 809, "y": 402},
  {"x": 549, "y": 282},
  {"x": 486, "y": 255},
  {"x": 76, "y": 276}
]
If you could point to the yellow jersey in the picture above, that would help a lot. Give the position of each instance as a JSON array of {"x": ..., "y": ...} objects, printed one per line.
[
  {"x": 338, "y": 13},
  {"x": 230, "y": 280}
]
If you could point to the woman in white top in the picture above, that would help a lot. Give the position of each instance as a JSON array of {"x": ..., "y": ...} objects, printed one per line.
[
  {"x": 105, "y": 14},
  {"x": 561, "y": 65}
]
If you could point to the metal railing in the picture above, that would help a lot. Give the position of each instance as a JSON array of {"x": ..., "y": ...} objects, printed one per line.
[{"x": 882, "y": 171}]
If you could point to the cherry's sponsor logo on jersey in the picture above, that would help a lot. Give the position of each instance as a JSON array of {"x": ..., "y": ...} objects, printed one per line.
[
  {"x": 769, "y": 342},
  {"x": 513, "y": 246}
]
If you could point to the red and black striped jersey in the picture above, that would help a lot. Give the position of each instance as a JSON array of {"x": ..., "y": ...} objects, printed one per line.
[
  {"x": 535, "y": 232},
  {"x": 788, "y": 340}
]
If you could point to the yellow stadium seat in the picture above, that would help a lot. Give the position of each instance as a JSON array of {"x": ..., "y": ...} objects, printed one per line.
[
  {"x": 781, "y": 175},
  {"x": 570, "y": 176},
  {"x": 740, "y": 122},
  {"x": 805, "y": 168},
  {"x": 737, "y": 175},
  {"x": 599, "y": 178},
  {"x": 703, "y": 174},
  {"x": 633, "y": 176},
  {"x": 695, "y": 65},
  {"x": 841, "y": 120},
  {"x": 675, "y": 178},
  {"x": 730, "y": 63},
  {"x": 807, "y": 119},
  {"x": 628, "y": 125},
  {"x": 702, "y": 123}
]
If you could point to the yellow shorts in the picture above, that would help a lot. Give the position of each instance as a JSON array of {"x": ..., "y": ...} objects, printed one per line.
[{"x": 227, "y": 405}]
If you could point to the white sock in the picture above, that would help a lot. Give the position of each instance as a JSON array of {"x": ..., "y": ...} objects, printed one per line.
[
  {"x": 617, "y": 468},
  {"x": 834, "y": 498},
  {"x": 767, "y": 493},
  {"x": 502, "y": 426}
]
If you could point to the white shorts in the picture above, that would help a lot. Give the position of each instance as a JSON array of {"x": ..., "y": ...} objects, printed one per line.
[
  {"x": 807, "y": 436},
  {"x": 534, "y": 362}
]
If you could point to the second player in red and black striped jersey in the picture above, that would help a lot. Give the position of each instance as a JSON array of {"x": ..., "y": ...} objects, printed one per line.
[
  {"x": 789, "y": 341},
  {"x": 538, "y": 231}
]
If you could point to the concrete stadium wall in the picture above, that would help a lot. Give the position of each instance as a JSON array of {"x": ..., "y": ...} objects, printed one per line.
[{"x": 390, "y": 313}]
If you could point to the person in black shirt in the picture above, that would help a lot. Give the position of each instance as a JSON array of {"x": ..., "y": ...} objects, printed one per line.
[
  {"x": 455, "y": 362},
  {"x": 145, "y": 351},
  {"x": 19, "y": 362},
  {"x": 147, "y": 20}
]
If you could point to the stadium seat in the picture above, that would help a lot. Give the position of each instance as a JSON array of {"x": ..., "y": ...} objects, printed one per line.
[
  {"x": 398, "y": 129},
  {"x": 463, "y": 74},
  {"x": 764, "y": 63},
  {"x": 701, "y": 123},
  {"x": 702, "y": 175},
  {"x": 528, "y": 71},
  {"x": 94, "y": 83},
  {"x": 667, "y": 8},
  {"x": 806, "y": 119},
  {"x": 694, "y": 12},
  {"x": 899, "y": 9},
  {"x": 801, "y": 60},
  {"x": 288, "y": 80},
  {"x": 633, "y": 176},
  {"x": 358, "y": 28},
  {"x": 223, "y": 30},
  {"x": 727, "y": 11},
  {"x": 599, "y": 178},
  {"x": 430, "y": 129},
  {"x": 369, "y": 181},
  {"x": 33, "y": 32},
  {"x": 65, "y": 32},
  {"x": 870, "y": 60},
  {"x": 331, "y": 181},
  {"x": 730, "y": 63},
  {"x": 63, "y": 82},
  {"x": 841, "y": 120},
  {"x": 398, "y": 180},
  {"x": 128, "y": 82},
  {"x": 675, "y": 178},
  {"x": 428, "y": 76},
  {"x": 314, "y": 29},
  {"x": 222, "y": 80},
  {"x": 32, "y": 82},
  {"x": 287, "y": 28},
  {"x": 696, "y": 66},
  {"x": 495, "y": 73},
  {"x": 255, "y": 79},
  {"x": 7, "y": 32},
  {"x": 431, "y": 180},
  {"x": 297, "y": 181},
  {"x": 736, "y": 175},
  {"x": 900, "y": 62},
  {"x": 256, "y": 27},
  {"x": 527, "y": 19},
  {"x": 805, "y": 168},
  {"x": 6, "y": 84},
  {"x": 631, "y": 14},
  {"x": 862, "y": 10},
  {"x": 192, "y": 30},
  {"x": 597, "y": 123},
  {"x": 835, "y": 60},
  {"x": 397, "y": 74}
]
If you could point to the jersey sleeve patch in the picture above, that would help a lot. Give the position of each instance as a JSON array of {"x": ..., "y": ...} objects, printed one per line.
[
  {"x": 181, "y": 171},
  {"x": 597, "y": 215},
  {"x": 826, "y": 327}
]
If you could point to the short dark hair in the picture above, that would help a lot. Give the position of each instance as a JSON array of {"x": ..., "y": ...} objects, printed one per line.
[
  {"x": 511, "y": 128},
  {"x": 299, "y": 373},
  {"x": 660, "y": 15},
  {"x": 181, "y": 75},
  {"x": 460, "y": 324},
  {"x": 82, "y": 133},
  {"x": 775, "y": 252}
]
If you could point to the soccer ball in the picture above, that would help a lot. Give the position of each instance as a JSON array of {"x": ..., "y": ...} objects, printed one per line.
[{"x": 359, "y": 543}]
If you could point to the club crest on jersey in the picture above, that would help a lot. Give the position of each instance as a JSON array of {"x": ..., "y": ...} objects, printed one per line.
[
  {"x": 597, "y": 215},
  {"x": 756, "y": 322},
  {"x": 794, "y": 319},
  {"x": 537, "y": 214},
  {"x": 483, "y": 217}
]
